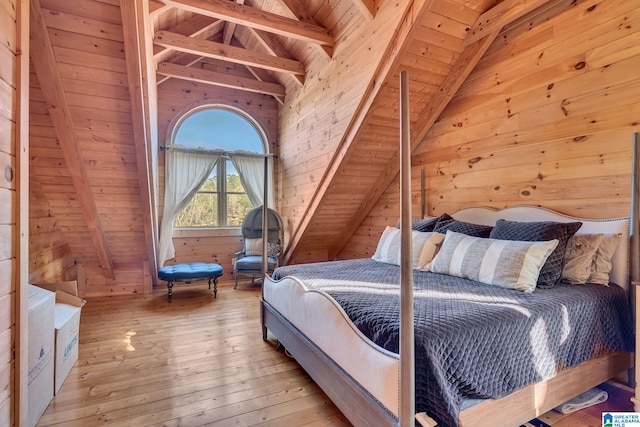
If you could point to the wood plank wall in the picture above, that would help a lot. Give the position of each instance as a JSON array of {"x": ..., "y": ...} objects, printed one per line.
[
  {"x": 313, "y": 121},
  {"x": 175, "y": 98},
  {"x": 10, "y": 243},
  {"x": 50, "y": 257},
  {"x": 87, "y": 43},
  {"x": 546, "y": 118}
]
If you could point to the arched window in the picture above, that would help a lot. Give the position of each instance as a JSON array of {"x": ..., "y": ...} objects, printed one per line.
[
  {"x": 222, "y": 200},
  {"x": 214, "y": 172}
]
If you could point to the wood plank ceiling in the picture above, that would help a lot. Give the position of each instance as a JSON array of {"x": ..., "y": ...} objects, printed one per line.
[{"x": 97, "y": 65}]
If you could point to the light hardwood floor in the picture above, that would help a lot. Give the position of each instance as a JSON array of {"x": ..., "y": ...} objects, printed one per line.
[{"x": 202, "y": 361}]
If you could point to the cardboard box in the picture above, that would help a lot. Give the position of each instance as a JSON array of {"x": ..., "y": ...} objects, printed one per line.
[
  {"x": 67, "y": 328},
  {"x": 41, "y": 342}
]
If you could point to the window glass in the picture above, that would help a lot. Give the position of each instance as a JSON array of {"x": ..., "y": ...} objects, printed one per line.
[
  {"x": 218, "y": 129},
  {"x": 222, "y": 200}
]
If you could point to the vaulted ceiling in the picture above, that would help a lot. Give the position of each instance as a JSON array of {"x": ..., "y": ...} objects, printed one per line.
[{"x": 98, "y": 64}]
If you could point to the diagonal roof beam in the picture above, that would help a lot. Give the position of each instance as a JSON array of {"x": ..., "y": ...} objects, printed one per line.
[
  {"x": 366, "y": 7},
  {"x": 46, "y": 69},
  {"x": 299, "y": 11},
  {"x": 459, "y": 72},
  {"x": 156, "y": 8},
  {"x": 404, "y": 33},
  {"x": 223, "y": 52},
  {"x": 275, "y": 48},
  {"x": 198, "y": 26},
  {"x": 219, "y": 79},
  {"x": 256, "y": 18},
  {"x": 229, "y": 28},
  {"x": 499, "y": 16},
  {"x": 142, "y": 92}
]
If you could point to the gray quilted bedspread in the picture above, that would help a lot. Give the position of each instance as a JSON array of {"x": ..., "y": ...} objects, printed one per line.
[{"x": 474, "y": 340}]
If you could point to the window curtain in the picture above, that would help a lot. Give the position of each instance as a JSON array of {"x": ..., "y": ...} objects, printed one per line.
[
  {"x": 251, "y": 170},
  {"x": 185, "y": 174}
]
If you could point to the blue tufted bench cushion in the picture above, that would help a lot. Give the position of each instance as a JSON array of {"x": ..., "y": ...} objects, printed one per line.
[
  {"x": 193, "y": 270},
  {"x": 187, "y": 272}
]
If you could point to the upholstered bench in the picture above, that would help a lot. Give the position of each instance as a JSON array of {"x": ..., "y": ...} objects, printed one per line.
[{"x": 191, "y": 272}]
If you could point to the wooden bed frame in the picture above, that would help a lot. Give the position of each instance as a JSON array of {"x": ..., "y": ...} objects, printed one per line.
[
  {"x": 362, "y": 409},
  {"x": 515, "y": 409}
]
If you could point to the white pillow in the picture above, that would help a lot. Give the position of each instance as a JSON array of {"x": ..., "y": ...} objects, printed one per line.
[
  {"x": 578, "y": 257},
  {"x": 388, "y": 249},
  {"x": 506, "y": 263}
]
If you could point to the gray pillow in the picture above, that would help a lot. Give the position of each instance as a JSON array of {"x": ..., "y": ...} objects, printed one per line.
[
  {"x": 551, "y": 272},
  {"x": 424, "y": 225},
  {"x": 447, "y": 223}
]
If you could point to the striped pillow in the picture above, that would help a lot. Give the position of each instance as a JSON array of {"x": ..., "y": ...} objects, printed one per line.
[
  {"x": 506, "y": 263},
  {"x": 424, "y": 247}
]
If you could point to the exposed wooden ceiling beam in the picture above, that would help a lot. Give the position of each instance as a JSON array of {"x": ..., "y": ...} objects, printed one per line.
[
  {"x": 256, "y": 18},
  {"x": 156, "y": 8},
  {"x": 229, "y": 28},
  {"x": 198, "y": 26},
  {"x": 202, "y": 27},
  {"x": 299, "y": 11},
  {"x": 366, "y": 7},
  {"x": 142, "y": 92},
  {"x": 227, "y": 53},
  {"x": 499, "y": 16},
  {"x": 220, "y": 79},
  {"x": 459, "y": 73},
  {"x": 45, "y": 66},
  {"x": 271, "y": 44},
  {"x": 263, "y": 76}
]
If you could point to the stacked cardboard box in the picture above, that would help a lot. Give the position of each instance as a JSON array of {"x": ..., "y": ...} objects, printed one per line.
[
  {"x": 67, "y": 327},
  {"x": 41, "y": 351},
  {"x": 60, "y": 323}
]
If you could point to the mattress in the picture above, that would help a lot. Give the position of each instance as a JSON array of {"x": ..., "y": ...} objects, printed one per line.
[{"x": 473, "y": 341}]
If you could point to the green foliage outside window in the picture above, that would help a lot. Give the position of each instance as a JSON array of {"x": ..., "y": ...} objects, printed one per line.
[{"x": 202, "y": 211}]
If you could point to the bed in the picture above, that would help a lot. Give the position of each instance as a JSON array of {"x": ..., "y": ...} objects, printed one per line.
[{"x": 308, "y": 308}]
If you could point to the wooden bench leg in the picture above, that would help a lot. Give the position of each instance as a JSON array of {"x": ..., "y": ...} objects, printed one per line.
[
  {"x": 170, "y": 289},
  {"x": 215, "y": 286}
]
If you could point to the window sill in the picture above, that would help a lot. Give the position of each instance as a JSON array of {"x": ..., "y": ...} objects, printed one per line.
[{"x": 206, "y": 232}]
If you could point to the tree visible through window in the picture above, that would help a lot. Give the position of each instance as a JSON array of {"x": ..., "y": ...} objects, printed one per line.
[{"x": 222, "y": 200}]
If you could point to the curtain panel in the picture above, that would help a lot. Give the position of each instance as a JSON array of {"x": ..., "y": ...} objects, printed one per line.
[
  {"x": 251, "y": 170},
  {"x": 185, "y": 174}
]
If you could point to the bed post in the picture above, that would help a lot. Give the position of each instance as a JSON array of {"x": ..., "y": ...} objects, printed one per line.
[
  {"x": 265, "y": 238},
  {"x": 407, "y": 363},
  {"x": 634, "y": 260},
  {"x": 265, "y": 221}
]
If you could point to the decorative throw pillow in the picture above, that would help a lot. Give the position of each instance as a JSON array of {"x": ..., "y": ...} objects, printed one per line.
[
  {"x": 578, "y": 257},
  {"x": 274, "y": 249},
  {"x": 446, "y": 223},
  {"x": 542, "y": 231},
  {"x": 430, "y": 249},
  {"x": 423, "y": 224},
  {"x": 388, "y": 249},
  {"x": 601, "y": 264},
  {"x": 253, "y": 247},
  {"x": 505, "y": 263}
]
